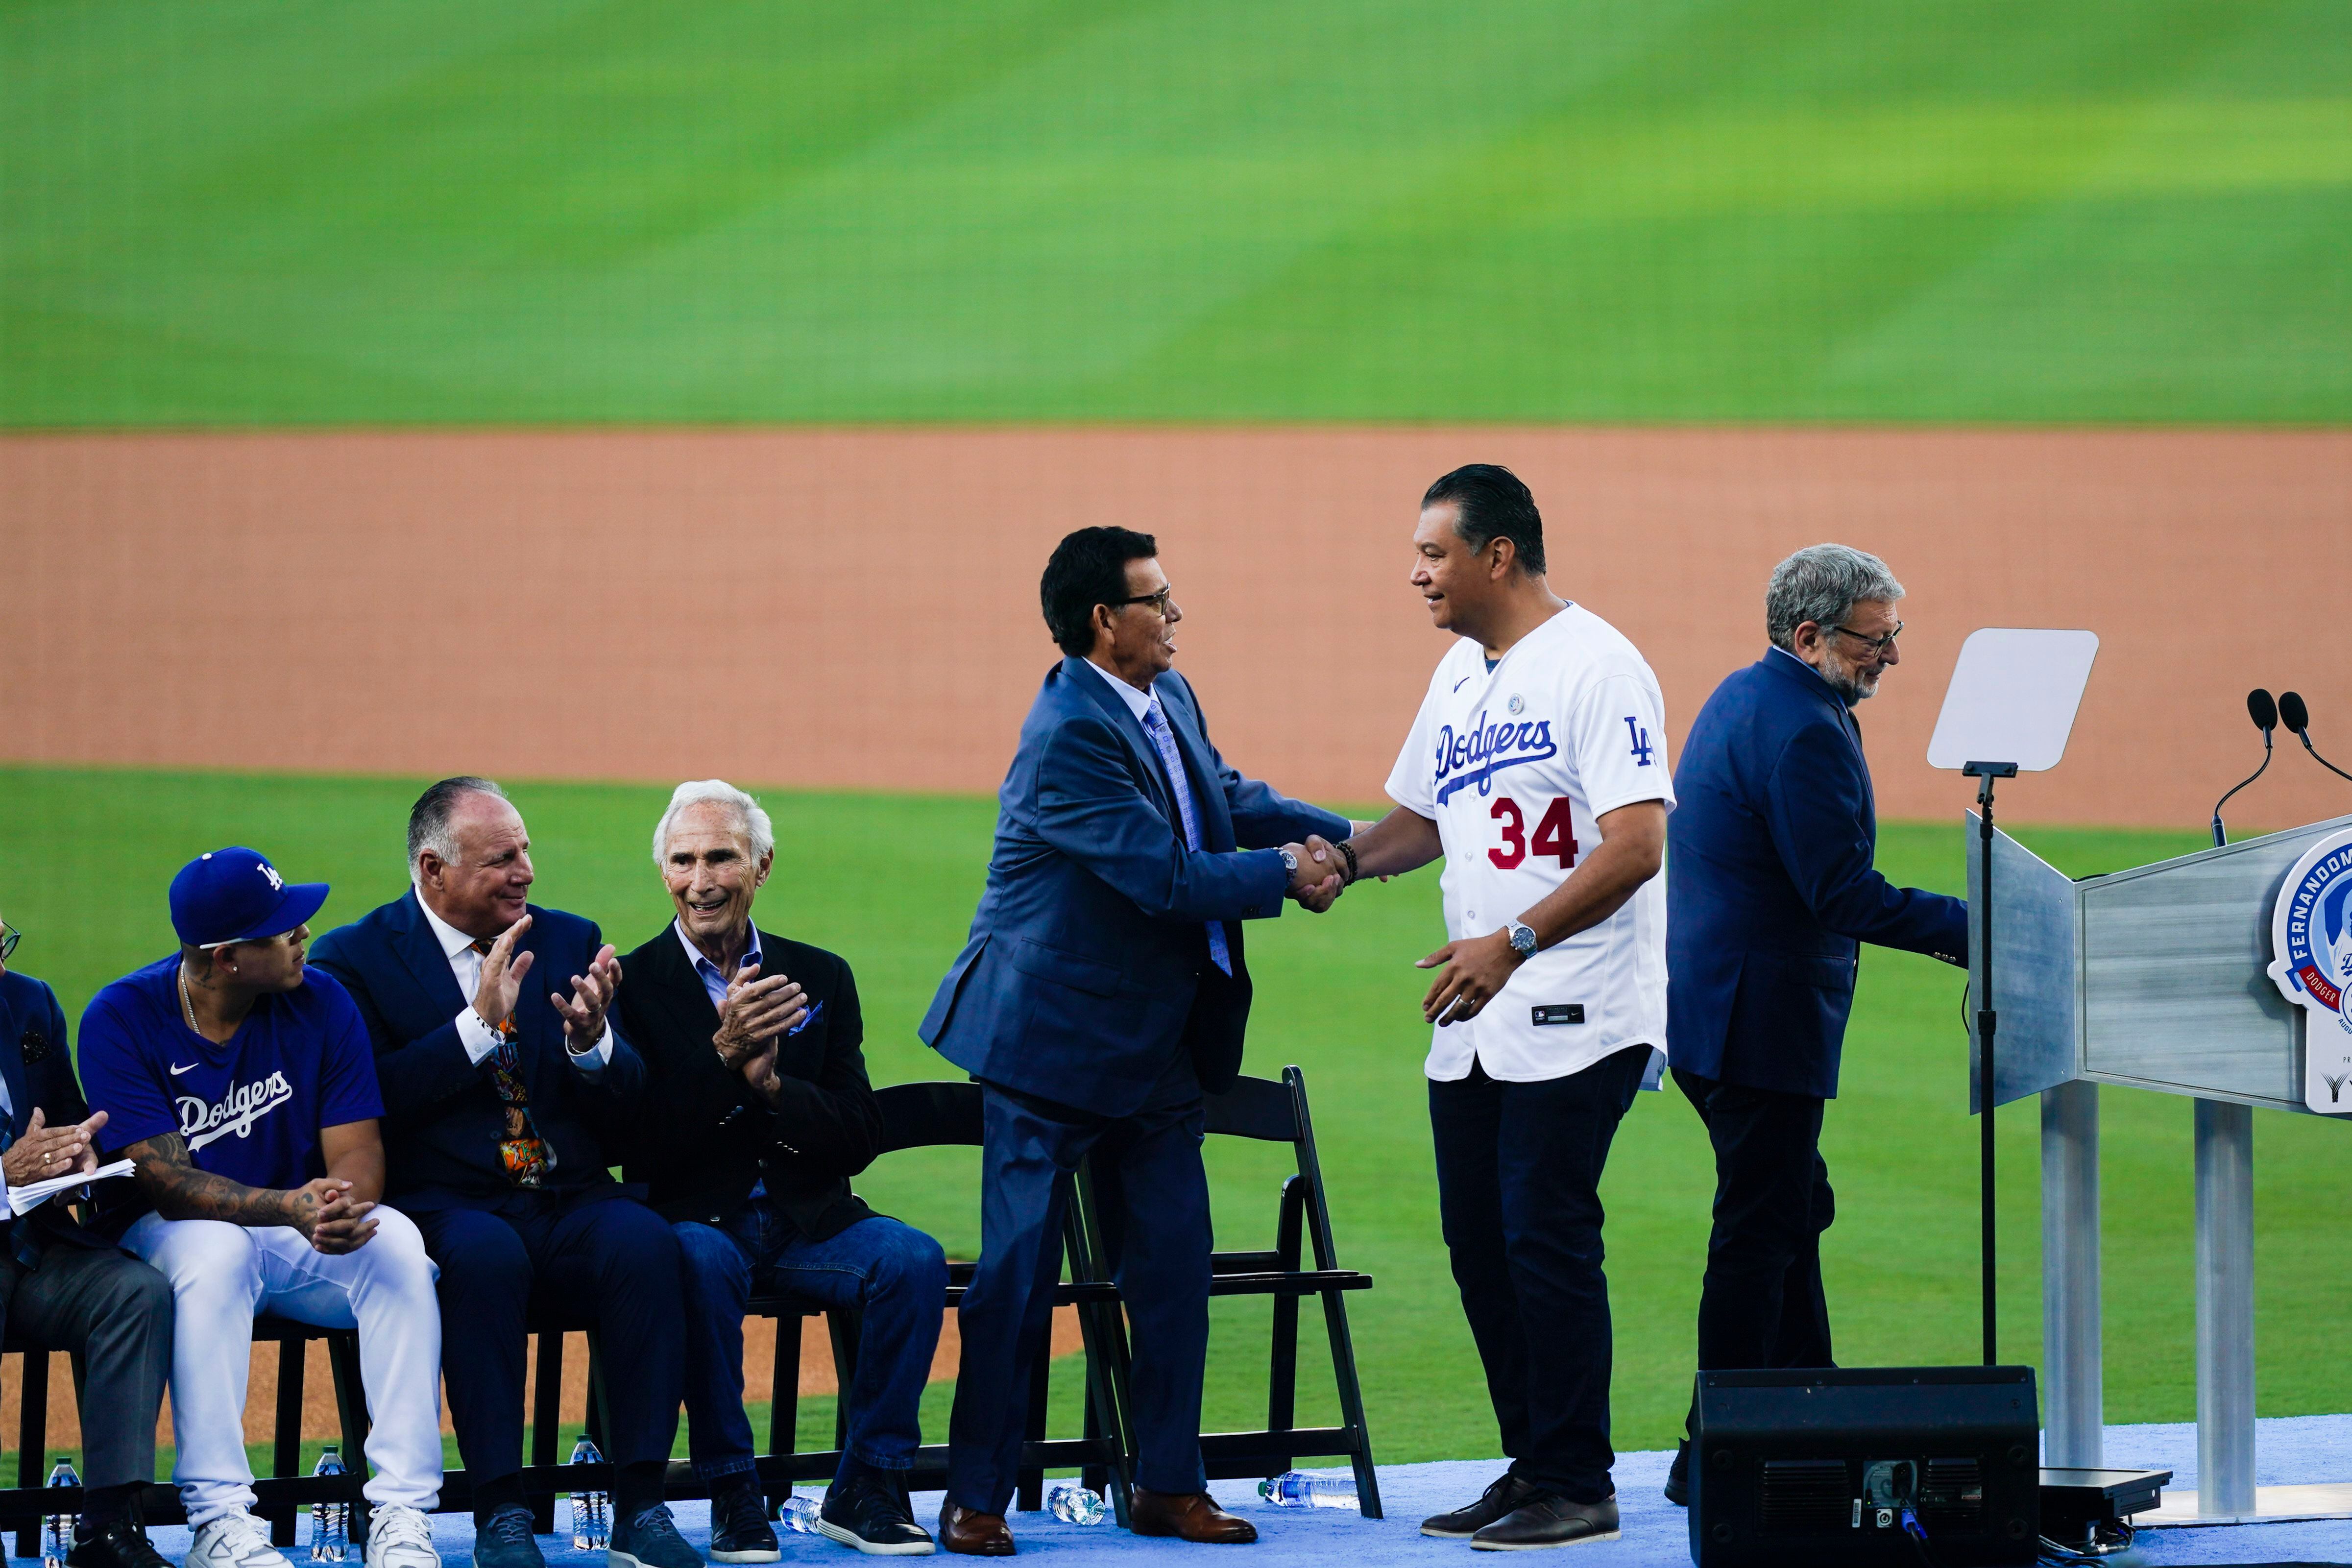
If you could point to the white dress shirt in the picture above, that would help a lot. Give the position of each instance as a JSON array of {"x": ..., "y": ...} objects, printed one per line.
[{"x": 479, "y": 1037}]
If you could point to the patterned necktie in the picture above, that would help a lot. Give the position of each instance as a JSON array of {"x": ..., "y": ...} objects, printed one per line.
[
  {"x": 1163, "y": 740},
  {"x": 523, "y": 1152}
]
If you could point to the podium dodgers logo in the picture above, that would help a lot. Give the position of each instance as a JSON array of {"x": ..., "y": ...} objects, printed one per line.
[{"x": 2311, "y": 964}]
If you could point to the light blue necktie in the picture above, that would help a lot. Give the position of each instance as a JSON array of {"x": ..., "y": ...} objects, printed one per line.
[{"x": 1163, "y": 739}]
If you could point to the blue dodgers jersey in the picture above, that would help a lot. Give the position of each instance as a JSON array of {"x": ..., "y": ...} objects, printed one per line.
[{"x": 250, "y": 1110}]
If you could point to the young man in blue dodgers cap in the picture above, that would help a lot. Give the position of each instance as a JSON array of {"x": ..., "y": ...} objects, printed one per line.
[
  {"x": 239, "y": 1082},
  {"x": 64, "y": 1287}
]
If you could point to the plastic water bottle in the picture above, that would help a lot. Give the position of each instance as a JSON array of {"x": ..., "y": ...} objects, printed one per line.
[
  {"x": 800, "y": 1514},
  {"x": 592, "y": 1508},
  {"x": 1074, "y": 1504},
  {"x": 57, "y": 1529},
  {"x": 1297, "y": 1489},
  {"x": 331, "y": 1522}
]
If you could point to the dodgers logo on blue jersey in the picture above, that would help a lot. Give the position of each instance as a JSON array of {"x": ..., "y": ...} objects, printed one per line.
[
  {"x": 1483, "y": 750},
  {"x": 237, "y": 1111},
  {"x": 2311, "y": 963}
]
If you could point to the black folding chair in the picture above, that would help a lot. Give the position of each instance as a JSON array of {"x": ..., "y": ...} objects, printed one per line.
[
  {"x": 944, "y": 1115},
  {"x": 1262, "y": 1109},
  {"x": 279, "y": 1496}
]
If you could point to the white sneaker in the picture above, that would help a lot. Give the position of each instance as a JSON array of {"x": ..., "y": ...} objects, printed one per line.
[
  {"x": 235, "y": 1541},
  {"x": 400, "y": 1538}
]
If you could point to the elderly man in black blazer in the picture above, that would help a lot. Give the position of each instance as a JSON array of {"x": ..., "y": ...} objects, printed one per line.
[
  {"x": 757, "y": 1114},
  {"x": 63, "y": 1286}
]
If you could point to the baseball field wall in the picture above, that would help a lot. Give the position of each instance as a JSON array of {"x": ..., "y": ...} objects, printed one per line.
[{"x": 857, "y": 608}]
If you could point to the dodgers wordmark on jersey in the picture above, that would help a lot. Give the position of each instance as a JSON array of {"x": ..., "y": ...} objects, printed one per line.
[{"x": 1515, "y": 765}]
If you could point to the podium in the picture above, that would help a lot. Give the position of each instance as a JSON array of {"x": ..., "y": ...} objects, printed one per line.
[{"x": 2151, "y": 978}]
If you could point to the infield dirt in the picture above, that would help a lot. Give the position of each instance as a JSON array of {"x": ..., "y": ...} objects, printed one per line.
[{"x": 857, "y": 608}]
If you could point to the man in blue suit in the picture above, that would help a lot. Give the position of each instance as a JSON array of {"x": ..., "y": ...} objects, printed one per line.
[
  {"x": 498, "y": 1095},
  {"x": 67, "y": 1288},
  {"x": 1769, "y": 892},
  {"x": 1102, "y": 992}
]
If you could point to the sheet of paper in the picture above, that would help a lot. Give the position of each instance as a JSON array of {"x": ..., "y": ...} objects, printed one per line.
[{"x": 25, "y": 1199}]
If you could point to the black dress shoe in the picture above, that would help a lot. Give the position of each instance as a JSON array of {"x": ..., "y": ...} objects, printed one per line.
[
  {"x": 872, "y": 1516},
  {"x": 1506, "y": 1496},
  {"x": 1678, "y": 1476},
  {"x": 739, "y": 1530},
  {"x": 118, "y": 1545},
  {"x": 1548, "y": 1522}
]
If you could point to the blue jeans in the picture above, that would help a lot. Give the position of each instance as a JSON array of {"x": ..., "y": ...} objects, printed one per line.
[{"x": 893, "y": 1275}]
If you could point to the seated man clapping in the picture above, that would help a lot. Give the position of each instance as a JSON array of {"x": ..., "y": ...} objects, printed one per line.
[{"x": 757, "y": 1114}]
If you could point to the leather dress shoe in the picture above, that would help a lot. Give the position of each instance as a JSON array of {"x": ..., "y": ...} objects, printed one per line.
[
  {"x": 1500, "y": 1501},
  {"x": 1548, "y": 1521},
  {"x": 1188, "y": 1515},
  {"x": 974, "y": 1535}
]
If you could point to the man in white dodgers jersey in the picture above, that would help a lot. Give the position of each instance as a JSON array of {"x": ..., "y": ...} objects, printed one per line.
[{"x": 1537, "y": 766}]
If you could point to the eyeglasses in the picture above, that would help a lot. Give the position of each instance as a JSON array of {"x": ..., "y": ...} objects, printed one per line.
[
  {"x": 1875, "y": 644},
  {"x": 1159, "y": 601},
  {"x": 9, "y": 938}
]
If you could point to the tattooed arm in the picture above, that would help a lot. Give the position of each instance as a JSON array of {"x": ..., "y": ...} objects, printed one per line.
[{"x": 180, "y": 1191}]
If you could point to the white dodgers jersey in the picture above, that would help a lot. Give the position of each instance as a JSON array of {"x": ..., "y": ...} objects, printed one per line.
[{"x": 1514, "y": 765}]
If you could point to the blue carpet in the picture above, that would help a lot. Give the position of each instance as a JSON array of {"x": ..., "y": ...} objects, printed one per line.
[{"x": 2290, "y": 1451}]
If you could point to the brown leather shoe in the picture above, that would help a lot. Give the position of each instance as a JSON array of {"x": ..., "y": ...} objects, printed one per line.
[
  {"x": 1189, "y": 1516},
  {"x": 974, "y": 1535}
]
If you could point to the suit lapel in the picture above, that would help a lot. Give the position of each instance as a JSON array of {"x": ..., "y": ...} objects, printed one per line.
[
  {"x": 1207, "y": 795},
  {"x": 1142, "y": 755},
  {"x": 675, "y": 978},
  {"x": 420, "y": 949},
  {"x": 12, "y": 1069}
]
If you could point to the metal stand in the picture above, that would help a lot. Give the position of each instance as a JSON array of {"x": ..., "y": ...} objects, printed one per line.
[
  {"x": 2073, "y": 1390},
  {"x": 1987, "y": 1021},
  {"x": 2225, "y": 1309}
]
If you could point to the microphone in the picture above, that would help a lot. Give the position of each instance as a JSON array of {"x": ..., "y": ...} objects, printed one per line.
[
  {"x": 2298, "y": 719},
  {"x": 2265, "y": 714}
]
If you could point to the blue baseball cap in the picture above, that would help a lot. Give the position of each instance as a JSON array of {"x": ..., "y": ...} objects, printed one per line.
[{"x": 235, "y": 895}]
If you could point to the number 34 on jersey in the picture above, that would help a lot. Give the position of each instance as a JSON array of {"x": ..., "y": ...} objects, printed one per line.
[{"x": 1555, "y": 833}]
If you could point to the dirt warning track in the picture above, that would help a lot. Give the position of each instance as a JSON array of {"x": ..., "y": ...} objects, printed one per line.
[{"x": 870, "y": 594}]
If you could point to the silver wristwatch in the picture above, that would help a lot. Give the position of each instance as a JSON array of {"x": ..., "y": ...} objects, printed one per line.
[
  {"x": 1289, "y": 863},
  {"x": 1523, "y": 938}
]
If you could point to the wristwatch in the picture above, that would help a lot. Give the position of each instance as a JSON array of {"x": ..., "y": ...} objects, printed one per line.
[
  {"x": 1289, "y": 863},
  {"x": 1523, "y": 938}
]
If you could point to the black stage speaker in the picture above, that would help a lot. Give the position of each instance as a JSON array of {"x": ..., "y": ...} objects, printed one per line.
[{"x": 1823, "y": 1467}]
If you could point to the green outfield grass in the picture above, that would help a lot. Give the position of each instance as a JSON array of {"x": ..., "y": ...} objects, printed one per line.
[
  {"x": 891, "y": 882},
  {"x": 300, "y": 212}
]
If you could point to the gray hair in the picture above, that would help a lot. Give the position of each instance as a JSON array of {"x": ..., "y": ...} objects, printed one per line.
[
  {"x": 428, "y": 820},
  {"x": 1823, "y": 583},
  {"x": 695, "y": 793}
]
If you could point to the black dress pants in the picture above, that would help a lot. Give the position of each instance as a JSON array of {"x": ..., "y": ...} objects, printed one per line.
[
  {"x": 1518, "y": 1177},
  {"x": 1761, "y": 1305}
]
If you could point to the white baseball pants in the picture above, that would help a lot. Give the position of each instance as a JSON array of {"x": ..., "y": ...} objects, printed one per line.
[{"x": 224, "y": 1275}]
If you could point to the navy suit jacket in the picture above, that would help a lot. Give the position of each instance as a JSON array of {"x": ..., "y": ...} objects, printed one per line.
[
  {"x": 442, "y": 1115},
  {"x": 1090, "y": 944},
  {"x": 1770, "y": 886},
  {"x": 38, "y": 1067}
]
